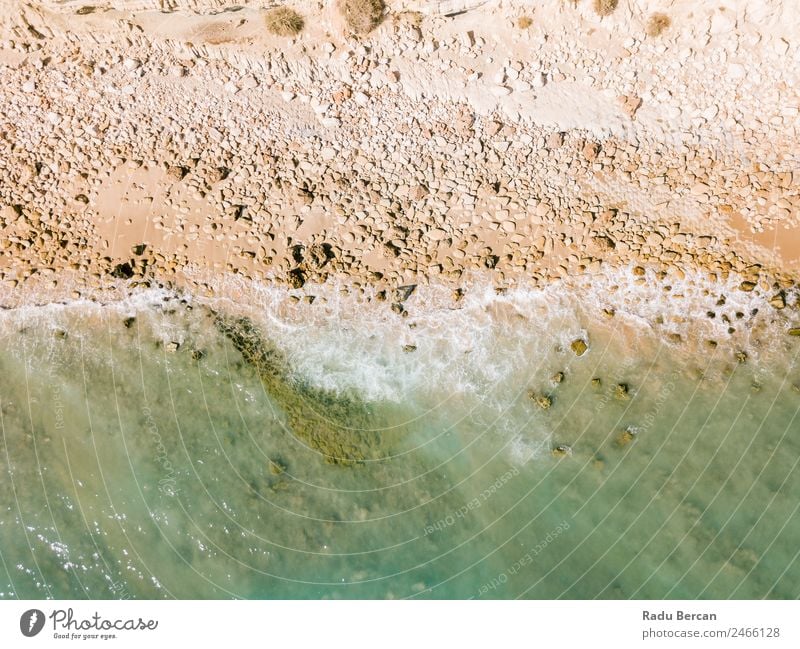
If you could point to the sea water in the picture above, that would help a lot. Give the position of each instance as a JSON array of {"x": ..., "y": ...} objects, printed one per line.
[{"x": 168, "y": 446}]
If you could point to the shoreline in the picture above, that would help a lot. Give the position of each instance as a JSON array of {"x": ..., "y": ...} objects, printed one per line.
[{"x": 689, "y": 314}]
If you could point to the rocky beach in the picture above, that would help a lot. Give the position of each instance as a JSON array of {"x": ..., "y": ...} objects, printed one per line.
[{"x": 144, "y": 145}]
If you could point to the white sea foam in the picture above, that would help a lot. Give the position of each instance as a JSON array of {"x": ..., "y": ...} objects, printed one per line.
[
  {"x": 353, "y": 342},
  {"x": 347, "y": 342}
]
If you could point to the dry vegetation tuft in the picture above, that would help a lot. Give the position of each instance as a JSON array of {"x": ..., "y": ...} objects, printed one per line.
[
  {"x": 283, "y": 21},
  {"x": 361, "y": 16},
  {"x": 523, "y": 22},
  {"x": 605, "y": 7},
  {"x": 657, "y": 23}
]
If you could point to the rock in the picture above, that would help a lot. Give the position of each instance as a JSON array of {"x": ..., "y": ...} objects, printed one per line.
[
  {"x": 409, "y": 348},
  {"x": 542, "y": 400},
  {"x": 778, "y": 301},
  {"x": 626, "y": 437},
  {"x": 418, "y": 192},
  {"x": 562, "y": 450},
  {"x": 596, "y": 382},
  {"x": 176, "y": 172},
  {"x": 492, "y": 129},
  {"x": 500, "y": 91},
  {"x": 604, "y": 243},
  {"x": 794, "y": 331},
  {"x": 296, "y": 278},
  {"x": 747, "y": 286},
  {"x": 402, "y": 293},
  {"x": 709, "y": 113},
  {"x": 630, "y": 104},
  {"x": 579, "y": 346},
  {"x": 654, "y": 239},
  {"x": 122, "y": 271},
  {"x": 277, "y": 467},
  {"x": 557, "y": 378},
  {"x": 621, "y": 391},
  {"x": 591, "y": 150},
  {"x": 741, "y": 356},
  {"x": 172, "y": 346},
  {"x": 317, "y": 255}
]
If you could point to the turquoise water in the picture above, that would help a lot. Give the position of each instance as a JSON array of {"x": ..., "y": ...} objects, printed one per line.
[{"x": 143, "y": 455}]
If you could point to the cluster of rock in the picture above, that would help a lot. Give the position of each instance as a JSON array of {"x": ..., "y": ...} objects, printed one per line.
[{"x": 133, "y": 160}]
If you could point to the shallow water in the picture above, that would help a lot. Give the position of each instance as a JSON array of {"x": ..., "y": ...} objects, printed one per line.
[{"x": 133, "y": 469}]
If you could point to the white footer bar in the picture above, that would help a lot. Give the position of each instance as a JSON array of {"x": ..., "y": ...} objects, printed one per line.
[{"x": 384, "y": 625}]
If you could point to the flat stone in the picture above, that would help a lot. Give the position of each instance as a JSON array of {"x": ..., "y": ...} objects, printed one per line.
[{"x": 500, "y": 91}]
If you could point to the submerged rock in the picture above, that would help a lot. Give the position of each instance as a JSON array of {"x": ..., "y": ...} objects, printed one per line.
[
  {"x": 621, "y": 391},
  {"x": 339, "y": 426},
  {"x": 542, "y": 400},
  {"x": 626, "y": 437},
  {"x": 277, "y": 466},
  {"x": 562, "y": 450},
  {"x": 579, "y": 346}
]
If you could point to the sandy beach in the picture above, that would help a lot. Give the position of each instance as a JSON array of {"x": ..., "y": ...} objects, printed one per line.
[{"x": 144, "y": 144}]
